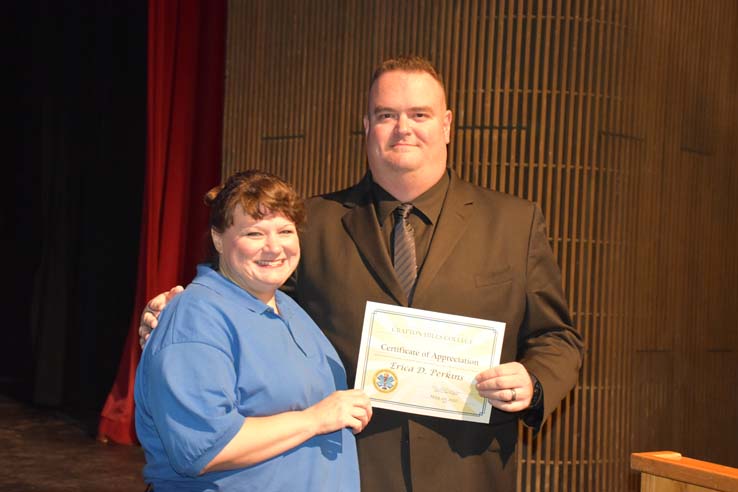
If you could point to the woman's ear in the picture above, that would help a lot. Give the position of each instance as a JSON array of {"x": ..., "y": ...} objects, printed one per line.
[{"x": 217, "y": 240}]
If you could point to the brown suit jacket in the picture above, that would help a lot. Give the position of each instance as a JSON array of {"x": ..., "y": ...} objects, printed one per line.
[{"x": 489, "y": 258}]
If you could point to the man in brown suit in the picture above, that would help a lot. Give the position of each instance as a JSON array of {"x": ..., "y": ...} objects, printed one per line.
[{"x": 479, "y": 253}]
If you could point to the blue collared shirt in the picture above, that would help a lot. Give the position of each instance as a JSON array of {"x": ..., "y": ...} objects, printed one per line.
[{"x": 218, "y": 356}]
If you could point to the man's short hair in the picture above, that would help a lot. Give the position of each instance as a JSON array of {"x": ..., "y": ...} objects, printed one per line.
[{"x": 407, "y": 63}]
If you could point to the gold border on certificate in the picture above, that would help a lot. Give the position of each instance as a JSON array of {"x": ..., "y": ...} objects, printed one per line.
[{"x": 424, "y": 362}]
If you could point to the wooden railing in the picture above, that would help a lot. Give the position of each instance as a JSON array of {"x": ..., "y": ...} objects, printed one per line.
[{"x": 668, "y": 471}]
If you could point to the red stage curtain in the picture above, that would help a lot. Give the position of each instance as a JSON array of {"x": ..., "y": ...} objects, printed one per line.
[{"x": 186, "y": 67}]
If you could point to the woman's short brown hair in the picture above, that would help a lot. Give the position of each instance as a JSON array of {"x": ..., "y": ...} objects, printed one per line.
[{"x": 259, "y": 193}]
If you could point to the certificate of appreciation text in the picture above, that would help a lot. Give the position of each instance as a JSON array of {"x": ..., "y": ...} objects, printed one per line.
[{"x": 425, "y": 362}]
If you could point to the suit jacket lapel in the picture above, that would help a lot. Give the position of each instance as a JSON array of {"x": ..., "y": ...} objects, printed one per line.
[
  {"x": 362, "y": 225},
  {"x": 452, "y": 223}
]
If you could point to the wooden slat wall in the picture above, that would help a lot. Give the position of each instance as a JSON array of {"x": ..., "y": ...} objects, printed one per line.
[{"x": 617, "y": 116}]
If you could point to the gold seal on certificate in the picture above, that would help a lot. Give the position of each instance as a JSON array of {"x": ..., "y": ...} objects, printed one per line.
[
  {"x": 425, "y": 362},
  {"x": 385, "y": 381}
]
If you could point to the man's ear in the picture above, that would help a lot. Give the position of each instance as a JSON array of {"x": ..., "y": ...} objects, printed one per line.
[
  {"x": 448, "y": 117},
  {"x": 366, "y": 125}
]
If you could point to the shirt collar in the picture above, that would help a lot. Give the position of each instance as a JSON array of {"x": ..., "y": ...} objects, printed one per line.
[
  {"x": 428, "y": 205},
  {"x": 212, "y": 279}
]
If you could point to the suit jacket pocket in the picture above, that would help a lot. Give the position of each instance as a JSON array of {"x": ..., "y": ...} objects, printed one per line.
[{"x": 499, "y": 276}]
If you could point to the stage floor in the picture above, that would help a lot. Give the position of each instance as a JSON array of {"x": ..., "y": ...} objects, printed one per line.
[{"x": 44, "y": 451}]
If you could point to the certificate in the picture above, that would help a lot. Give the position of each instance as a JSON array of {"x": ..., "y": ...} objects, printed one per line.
[{"x": 424, "y": 362}]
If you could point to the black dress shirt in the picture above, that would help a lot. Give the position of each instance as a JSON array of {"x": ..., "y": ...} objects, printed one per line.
[{"x": 423, "y": 217}]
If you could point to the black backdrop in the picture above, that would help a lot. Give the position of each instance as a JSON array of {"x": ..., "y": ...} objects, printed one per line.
[{"x": 75, "y": 151}]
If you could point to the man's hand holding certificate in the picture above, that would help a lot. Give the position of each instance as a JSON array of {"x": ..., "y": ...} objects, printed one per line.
[{"x": 425, "y": 362}]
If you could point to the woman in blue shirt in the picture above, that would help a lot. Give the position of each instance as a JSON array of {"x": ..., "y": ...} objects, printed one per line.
[{"x": 237, "y": 388}]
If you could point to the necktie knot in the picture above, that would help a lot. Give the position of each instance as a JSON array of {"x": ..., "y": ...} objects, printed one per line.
[{"x": 403, "y": 210}]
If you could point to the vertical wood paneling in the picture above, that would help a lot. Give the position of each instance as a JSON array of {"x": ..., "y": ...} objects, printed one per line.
[
  {"x": 616, "y": 117},
  {"x": 612, "y": 367}
]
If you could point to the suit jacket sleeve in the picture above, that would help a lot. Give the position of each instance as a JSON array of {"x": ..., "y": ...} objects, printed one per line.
[{"x": 549, "y": 346}]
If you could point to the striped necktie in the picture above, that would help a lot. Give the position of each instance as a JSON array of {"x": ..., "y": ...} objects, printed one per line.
[{"x": 406, "y": 267}]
